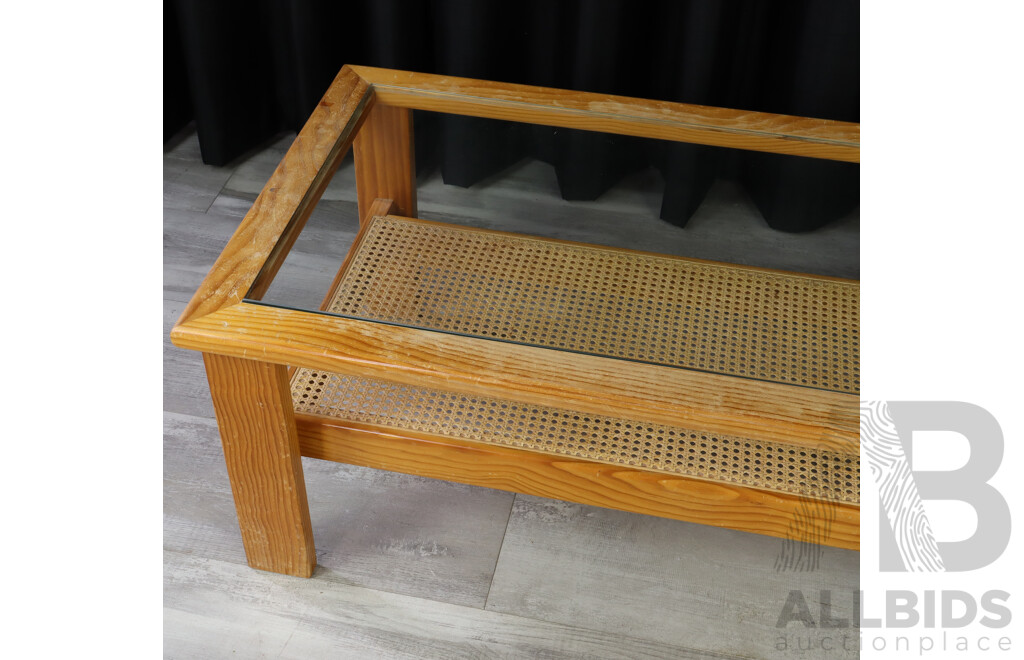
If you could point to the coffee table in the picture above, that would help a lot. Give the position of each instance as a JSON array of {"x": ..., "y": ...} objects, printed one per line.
[{"x": 707, "y": 392}]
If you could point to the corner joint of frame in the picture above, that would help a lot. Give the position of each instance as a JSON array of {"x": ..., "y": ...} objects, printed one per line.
[{"x": 198, "y": 321}]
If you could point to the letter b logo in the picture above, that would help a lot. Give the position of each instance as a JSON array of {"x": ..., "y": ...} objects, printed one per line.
[{"x": 906, "y": 539}]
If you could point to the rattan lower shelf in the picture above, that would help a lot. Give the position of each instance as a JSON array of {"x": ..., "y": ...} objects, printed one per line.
[
  {"x": 743, "y": 322},
  {"x": 396, "y": 408}
]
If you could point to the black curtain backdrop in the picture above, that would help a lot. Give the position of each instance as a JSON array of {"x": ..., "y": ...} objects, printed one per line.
[{"x": 246, "y": 71}]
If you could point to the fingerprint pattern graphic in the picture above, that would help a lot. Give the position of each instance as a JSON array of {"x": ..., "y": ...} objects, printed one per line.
[
  {"x": 897, "y": 490},
  {"x": 806, "y": 536}
]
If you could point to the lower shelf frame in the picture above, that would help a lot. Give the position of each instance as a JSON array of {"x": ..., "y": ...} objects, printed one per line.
[{"x": 719, "y": 504}]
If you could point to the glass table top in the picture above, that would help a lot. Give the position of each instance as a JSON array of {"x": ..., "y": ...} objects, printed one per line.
[{"x": 507, "y": 259}]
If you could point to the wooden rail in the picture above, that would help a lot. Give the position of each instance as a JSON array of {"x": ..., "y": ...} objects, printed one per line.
[{"x": 679, "y": 122}]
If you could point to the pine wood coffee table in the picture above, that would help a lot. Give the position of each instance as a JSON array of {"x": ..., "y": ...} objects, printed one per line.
[{"x": 695, "y": 390}]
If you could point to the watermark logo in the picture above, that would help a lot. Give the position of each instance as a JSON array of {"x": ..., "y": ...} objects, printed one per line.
[
  {"x": 907, "y": 542},
  {"x": 808, "y": 532},
  {"x": 948, "y": 619}
]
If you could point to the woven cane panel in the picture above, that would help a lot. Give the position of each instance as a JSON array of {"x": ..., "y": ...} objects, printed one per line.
[
  {"x": 728, "y": 319},
  {"x": 824, "y": 475}
]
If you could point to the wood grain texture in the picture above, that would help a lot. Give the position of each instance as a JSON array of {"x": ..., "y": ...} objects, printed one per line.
[
  {"x": 257, "y": 248},
  {"x": 381, "y": 206},
  {"x": 722, "y": 127},
  {"x": 257, "y": 428},
  {"x": 385, "y": 161},
  {"x": 704, "y": 401},
  {"x": 586, "y": 482}
]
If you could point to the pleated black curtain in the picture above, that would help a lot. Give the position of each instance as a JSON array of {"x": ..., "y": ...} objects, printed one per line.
[{"x": 246, "y": 71}]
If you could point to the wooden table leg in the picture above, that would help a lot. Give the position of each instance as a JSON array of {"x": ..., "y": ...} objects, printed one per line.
[
  {"x": 385, "y": 161},
  {"x": 257, "y": 428}
]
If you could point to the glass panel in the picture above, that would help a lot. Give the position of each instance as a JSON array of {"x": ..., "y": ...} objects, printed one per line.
[{"x": 520, "y": 288}]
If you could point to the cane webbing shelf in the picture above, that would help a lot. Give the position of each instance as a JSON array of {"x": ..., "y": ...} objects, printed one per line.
[
  {"x": 675, "y": 311},
  {"x": 752, "y": 322},
  {"x": 820, "y": 474},
  {"x": 706, "y": 392}
]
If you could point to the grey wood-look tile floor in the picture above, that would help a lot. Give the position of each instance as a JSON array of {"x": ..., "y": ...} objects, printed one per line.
[{"x": 419, "y": 568}]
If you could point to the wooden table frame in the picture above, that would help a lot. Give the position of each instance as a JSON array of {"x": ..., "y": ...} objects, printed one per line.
[{"x": 248, "y": 346}]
